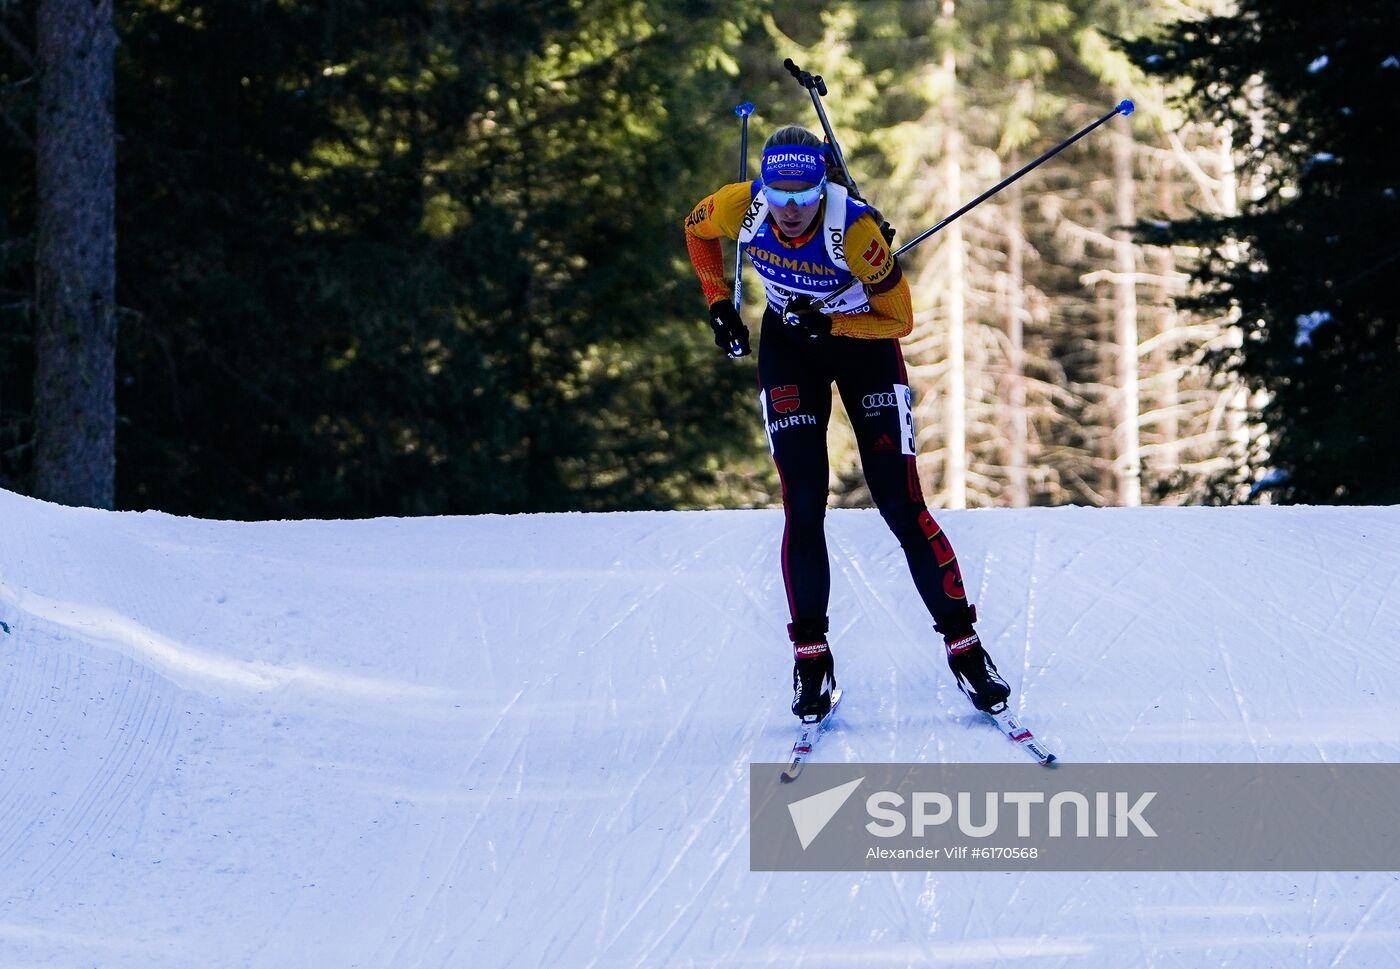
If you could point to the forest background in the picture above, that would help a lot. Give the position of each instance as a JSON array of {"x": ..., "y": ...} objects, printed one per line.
[{"x": 398, "y": 257}]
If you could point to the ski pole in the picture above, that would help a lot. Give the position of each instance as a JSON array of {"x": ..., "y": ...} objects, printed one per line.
[
  {"x": 816, "y": 87},
  {"x": 1124, "y": 107},
  {"x": 743, "y": 111}
]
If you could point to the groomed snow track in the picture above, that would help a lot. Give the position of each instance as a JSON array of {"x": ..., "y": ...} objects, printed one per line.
[{"x": 524, "y": 741}]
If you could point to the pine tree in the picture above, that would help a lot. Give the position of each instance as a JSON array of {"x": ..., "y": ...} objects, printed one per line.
[
  {"x": 1311, "y": 91},
  {"x": 402, "y": 258}
]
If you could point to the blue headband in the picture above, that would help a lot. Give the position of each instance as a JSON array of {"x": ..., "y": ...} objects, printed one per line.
[{"x": 803, "y": 162}]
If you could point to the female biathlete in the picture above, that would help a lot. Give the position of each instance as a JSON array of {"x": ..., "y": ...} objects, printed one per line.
[{"x": 807, "y": 236}]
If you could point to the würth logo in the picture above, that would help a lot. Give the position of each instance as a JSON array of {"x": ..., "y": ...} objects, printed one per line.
[{"x": 785, "y": 399}]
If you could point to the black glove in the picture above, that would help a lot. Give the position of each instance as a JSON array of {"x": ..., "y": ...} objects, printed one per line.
[
  {"x": 731, "y": 335},
  {"x": 803, "y": 316}
]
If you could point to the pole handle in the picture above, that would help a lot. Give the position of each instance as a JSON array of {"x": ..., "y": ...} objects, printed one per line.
[
  {"x": 812, "y": 82},
  {"x": 816, "y": 88}
]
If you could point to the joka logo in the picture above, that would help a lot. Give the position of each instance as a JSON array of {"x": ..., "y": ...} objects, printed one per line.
[
  {"x": 784, "y": 398},
  {"x": 811, "y": 814},
  {"x": 751, "y": 215},
  {"x": 838, "y": 243}
]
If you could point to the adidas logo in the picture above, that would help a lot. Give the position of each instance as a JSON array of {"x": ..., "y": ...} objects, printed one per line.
[{"x": 882, "y": 443}]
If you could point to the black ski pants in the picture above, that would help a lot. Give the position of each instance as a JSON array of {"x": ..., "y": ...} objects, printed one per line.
[{"x": 795, "y": 375}]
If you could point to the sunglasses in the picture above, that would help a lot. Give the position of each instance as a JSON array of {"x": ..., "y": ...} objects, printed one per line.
[{"x": 779, "y": 198}]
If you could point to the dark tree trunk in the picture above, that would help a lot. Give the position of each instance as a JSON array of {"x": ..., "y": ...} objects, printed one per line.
[{"x": 75, "y": 255}]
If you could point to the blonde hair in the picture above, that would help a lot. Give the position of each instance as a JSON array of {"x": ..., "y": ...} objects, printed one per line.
[{"x": 792, "y": 134}]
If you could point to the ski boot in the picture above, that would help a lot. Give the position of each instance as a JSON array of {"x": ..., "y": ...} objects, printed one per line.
[
  {"x": 973, "y": 669},
  {"x": 813, "y": 672}
]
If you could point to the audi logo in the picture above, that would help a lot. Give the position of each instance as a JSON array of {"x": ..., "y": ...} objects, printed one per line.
[{"x": 872, "y": 401}]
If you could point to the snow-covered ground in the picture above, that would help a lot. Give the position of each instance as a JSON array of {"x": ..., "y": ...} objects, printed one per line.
[{"x": 524, "y": 741}]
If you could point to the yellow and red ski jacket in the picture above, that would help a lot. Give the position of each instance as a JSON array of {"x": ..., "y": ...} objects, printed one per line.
[{"x": 880, "y": 309}]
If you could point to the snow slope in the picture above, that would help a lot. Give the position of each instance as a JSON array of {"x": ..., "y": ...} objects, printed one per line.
[{"x": 523, "y": 741}]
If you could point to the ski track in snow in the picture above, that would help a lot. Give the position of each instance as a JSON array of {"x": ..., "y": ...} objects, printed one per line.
[{"x": 524, "y": 741}]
